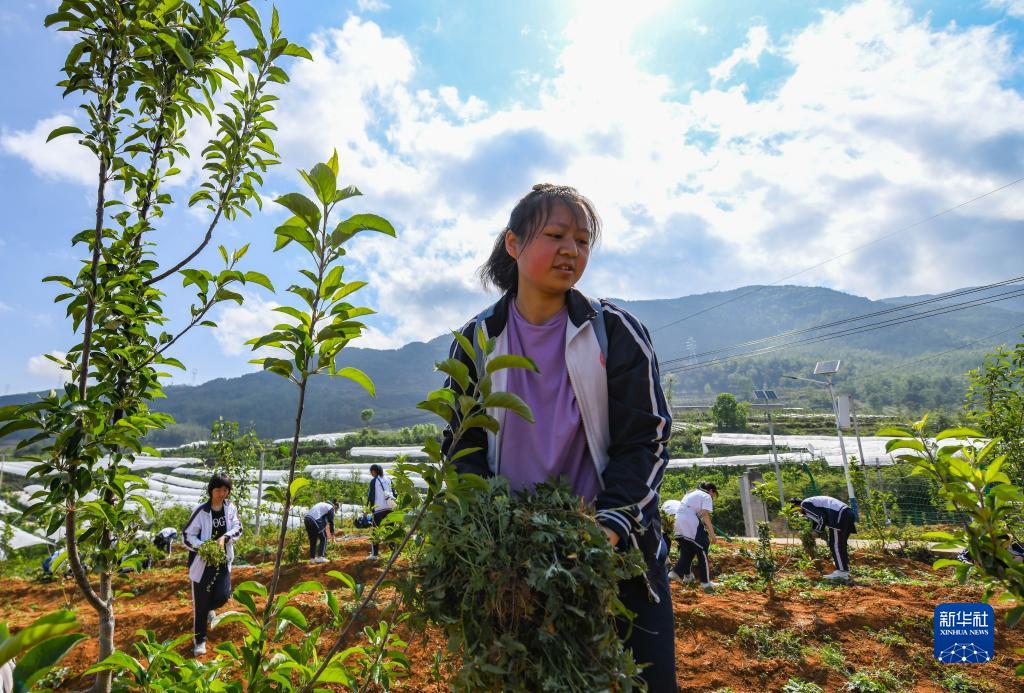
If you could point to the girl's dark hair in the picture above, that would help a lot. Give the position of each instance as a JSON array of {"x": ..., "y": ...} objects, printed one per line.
[
  {"x": 217, "y": 481},
  {"x": 528, "y": 217},
  {"x": 334, "y": 503},
  {"x": 707, "y": 486},
  {"x": 376, "y": 468}
]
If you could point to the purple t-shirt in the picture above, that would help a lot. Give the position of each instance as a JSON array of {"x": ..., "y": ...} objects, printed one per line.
[{"x": 556, "y": 445}]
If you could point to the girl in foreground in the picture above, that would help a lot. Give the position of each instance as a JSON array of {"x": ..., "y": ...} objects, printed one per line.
[{"x": 602, "y": 421}]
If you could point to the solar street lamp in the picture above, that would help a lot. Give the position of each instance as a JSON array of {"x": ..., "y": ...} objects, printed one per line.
[
  {"x": 768, "y": 400},
  {"x": 828, "y": 369}
]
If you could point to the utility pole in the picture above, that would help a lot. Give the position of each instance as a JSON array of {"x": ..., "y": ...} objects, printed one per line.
[
  {"x": 828, "y": 369},
  {"x": 768, "y": 397},
  {"x": 259, "y": 492}
]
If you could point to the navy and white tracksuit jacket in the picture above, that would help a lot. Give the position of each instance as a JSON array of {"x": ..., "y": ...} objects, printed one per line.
[
  {"x": 199, "y": 528},
  {"x": 826, "y": 511},
  {"x": 625, "y": 416}
]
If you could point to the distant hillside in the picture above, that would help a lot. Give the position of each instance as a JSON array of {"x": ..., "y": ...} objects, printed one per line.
[
  {"x": 872, "y": 367},
  {"x": 1012, "y": 303}
]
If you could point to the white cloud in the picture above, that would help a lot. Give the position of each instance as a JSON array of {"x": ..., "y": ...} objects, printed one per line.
[
  {"x": 371, "y": 5},
  {"x": 1014, "y": 8},
  {"x": 4, "y": 307},
  {"x": 876, "y": 120},
  {"x": 59, "y": 159},
  {"x": 881, "y": 119},
  {"x": 750, "y": 52},
  {"x": 46, "y": 369},
  {"x": 238, "y": 323}
]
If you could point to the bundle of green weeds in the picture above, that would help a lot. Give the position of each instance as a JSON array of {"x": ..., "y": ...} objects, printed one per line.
[
  {"x": 526, "y": 588},
  {"x": 213, "y": 553}
]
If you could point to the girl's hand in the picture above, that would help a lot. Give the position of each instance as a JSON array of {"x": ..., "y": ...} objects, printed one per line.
[
  {"x": 612, "y": 536},
  {"x": 222, "y": 540}
]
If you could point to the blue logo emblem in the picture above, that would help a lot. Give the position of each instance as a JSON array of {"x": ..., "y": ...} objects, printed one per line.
[{"x": 964, "y": 633}]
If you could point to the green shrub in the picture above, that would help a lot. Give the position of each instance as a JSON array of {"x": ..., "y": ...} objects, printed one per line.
[
  {"x": 771, "y": 643},
  {"x": 798, "y": 686},
  {"x": 526, "y": 586},
  {"x": 958, "y": 682}
]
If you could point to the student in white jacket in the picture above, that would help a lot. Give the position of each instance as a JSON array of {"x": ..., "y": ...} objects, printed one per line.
[{"x": 216, "y": 519}]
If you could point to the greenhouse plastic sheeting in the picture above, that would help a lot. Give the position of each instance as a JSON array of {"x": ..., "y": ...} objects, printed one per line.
[{"x": 21, "y": 538}]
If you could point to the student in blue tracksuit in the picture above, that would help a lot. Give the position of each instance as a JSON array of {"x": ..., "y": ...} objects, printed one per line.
[
  {"x": 602, "y": 422},
  {"x": 319, "y": 524},
  {"x": 826, "y": 512}
]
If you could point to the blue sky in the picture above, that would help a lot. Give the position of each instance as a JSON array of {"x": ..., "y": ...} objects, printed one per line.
[{"x": 723, "y": 144}]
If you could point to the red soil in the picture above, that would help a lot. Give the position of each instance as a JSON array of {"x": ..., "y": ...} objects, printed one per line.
[{"x": 708, "y": 653}]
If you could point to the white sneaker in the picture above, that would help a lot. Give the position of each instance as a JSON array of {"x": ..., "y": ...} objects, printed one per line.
[
  {"x": 710, "y": 586},
  {"x": 684, "y": 580},
  {"x": 838, "y": 575},
  {"x": 199, "y": 649},
  {"x": 373, "y": 557},
  {"x": 320, "y": 559}
]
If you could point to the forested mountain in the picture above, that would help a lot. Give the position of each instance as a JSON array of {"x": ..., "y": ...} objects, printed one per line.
[{"x": 900, "y": 366}]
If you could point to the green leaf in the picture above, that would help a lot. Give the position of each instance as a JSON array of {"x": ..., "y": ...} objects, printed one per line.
[
  {"x": 332, "y": 163},
  {"x": 303, "y": 318},
  {"x": 344, "y": 578},
  {"x": 510, "y": 361},
  {"x": 302, "y": 207},
  {"x": 458, "y": 371},
  {"x": 357, "y": 376},
  {"x": 960, "y": 432},
  {"x": 360, "y": 222},
  {"x": 466, "y": 345},
  {"x": 293, "y": 616},
  {"x": 297, "y": 51},
  {"x": 297, "y": 485},
  {"x": 252, "y": 587},
  {"x": 63, "y": 130},
  {"x": 179, "y": 50},
  {"x": 507, "y": 400},
  {"x": 346, "y": 192},
  {"x": 34, "y": 664},
  {"x": 303, "y": 587},
  {"x": 324, "y": 182},
  {"x": 1013, "y": 616},
  {"x": 259, "y": 278}
]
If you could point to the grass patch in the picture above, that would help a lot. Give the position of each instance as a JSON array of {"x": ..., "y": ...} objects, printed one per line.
[
  {"x": 872, "y": 681},
  {"x": 884, "y": 576},
  {"x": 832, "y": 657},
  {"x": 738, "y": 582},
  {"x": 888, "y": 637},
  {"x": 771, "y": 643},
  {"x": 800, "y": 686},
  {"x": 958, "y": 682}
]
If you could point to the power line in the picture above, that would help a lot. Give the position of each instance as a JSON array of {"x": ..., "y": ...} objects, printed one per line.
[
  {"x": 842, "y": 254},
  {"x": 929, "y": 357},
  {"x": 857, "y": 318},
  {"x": 849, "y": 332}
]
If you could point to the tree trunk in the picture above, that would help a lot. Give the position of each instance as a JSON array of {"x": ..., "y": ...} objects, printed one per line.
[{"x": 105, "y": 615}]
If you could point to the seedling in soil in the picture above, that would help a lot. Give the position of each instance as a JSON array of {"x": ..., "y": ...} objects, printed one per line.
[
  {"x": 888, "y": 637},
  {"x": 832, "y": 657},
  {"x": 872, "y": 682},
  {"x": 957, "y": 682},
  {"x": 770, "y": 643},
  {"x": 800, "y": 686}
]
